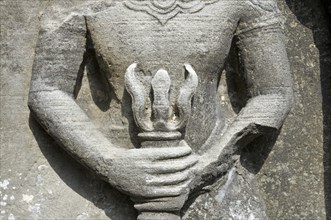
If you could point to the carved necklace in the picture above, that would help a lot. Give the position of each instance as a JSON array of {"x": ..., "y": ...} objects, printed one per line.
[{"x": 164, "y": 10}]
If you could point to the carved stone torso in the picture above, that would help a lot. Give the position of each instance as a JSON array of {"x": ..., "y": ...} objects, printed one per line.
[{"x": 201, "y": 37}]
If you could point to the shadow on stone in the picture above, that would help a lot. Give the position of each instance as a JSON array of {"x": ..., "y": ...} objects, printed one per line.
[
  {"x": 115, "y": 205},
  {"x": 322, "y": 40},
  {"x": 101, "y": 91},
  {"x": 255, "y": 153},
  {"x": 235, "y": 79}
]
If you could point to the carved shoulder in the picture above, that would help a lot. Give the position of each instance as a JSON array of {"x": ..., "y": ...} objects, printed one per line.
[
  {"x": 259, "y": 15},
  {"x": 59, "y": 12},
  {"x": 264, "y": 5},
  {"x": 259, "y": 9}
]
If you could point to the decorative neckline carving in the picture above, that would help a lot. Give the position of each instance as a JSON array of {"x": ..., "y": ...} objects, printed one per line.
[{"x": 164, "y": 10}]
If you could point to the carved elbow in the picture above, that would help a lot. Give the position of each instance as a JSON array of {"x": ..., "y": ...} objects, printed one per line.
[
  {"x": 32, "y": 101},
  {"x": 289, "y": 99}
]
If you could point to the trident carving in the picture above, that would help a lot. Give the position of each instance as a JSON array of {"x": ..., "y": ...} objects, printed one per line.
[{"x": 162, "y": 129}]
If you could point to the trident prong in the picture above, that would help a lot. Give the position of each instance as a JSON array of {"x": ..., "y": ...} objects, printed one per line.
[
  {"x": 136, "y": 89},
  {"x": 161, "y": 85},
  {"x": 184, "y": 100}
]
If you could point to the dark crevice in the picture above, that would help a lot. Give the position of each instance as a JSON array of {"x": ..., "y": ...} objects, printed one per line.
[
  {"x": 100, "y": 88},
  {"x": 235, "y": 79}
]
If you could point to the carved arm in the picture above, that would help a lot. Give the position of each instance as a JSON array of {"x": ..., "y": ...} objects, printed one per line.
[
  {"x": 263, "y": 56},
  {"x": 56, "y": 73}
]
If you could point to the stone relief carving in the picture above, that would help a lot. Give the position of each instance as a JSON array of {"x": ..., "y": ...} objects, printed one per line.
[{"x": 187, "y": 144}]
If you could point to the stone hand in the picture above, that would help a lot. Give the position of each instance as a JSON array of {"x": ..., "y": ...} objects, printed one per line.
[
  {"x": 151, "y": 172},
  {"x": 220, "y": 157},
  {"x": 208, "y": 168}
]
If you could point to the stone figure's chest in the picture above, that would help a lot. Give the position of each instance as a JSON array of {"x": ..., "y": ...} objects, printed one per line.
[{"x": 160, "y": 28}]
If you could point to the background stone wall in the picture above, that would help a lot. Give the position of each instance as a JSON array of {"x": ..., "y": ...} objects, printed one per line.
[
  {"x": 39, "y": 181},
  {"x": 293, "y": 176}
]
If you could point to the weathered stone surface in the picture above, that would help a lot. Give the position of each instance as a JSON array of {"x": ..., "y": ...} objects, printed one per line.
[
  {"x": 38, "y": 180},
  {"x": 296, "y": 176}
]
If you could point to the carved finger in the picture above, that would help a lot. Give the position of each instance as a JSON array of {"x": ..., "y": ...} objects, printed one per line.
[
  {"x": 170, "y": 179},
  {"x": 168, "y": 191},
  {"x": 164, "y": 153},
  {"x": 172, "y": 166},
  {"x": 139, "y": 200},
  {"x": 157, "y": 204}
]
